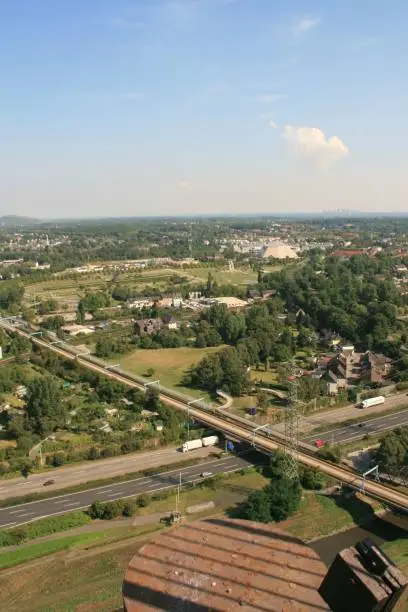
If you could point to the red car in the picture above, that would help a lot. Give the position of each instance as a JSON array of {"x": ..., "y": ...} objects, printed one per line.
[{"x": 319, "y": 443}]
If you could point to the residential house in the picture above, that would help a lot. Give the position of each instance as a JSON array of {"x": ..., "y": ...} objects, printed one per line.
[
  {"x": 350, "y": 367},
  {"x": 254, "y": 294},
  {"x": 148, "y": 326},
  {"x": 171, "y": 323},
  {"x": 375, "y": 367}
]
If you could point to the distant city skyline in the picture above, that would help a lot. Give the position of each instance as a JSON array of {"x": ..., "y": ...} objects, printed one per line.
[{"x": 202, "y": 107}]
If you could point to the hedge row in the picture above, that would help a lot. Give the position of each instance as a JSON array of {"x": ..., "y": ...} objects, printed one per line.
[{"x": 43, "y": 527}]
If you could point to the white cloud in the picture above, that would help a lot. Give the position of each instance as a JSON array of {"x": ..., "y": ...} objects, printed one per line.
[
  {"x": 132, "y": 97},
  {"x": 273, "y": 125},
  {"x": 304, "y": 25},
  {"x": 270, "y": 97},
  {"x": 311, "y": 143}
]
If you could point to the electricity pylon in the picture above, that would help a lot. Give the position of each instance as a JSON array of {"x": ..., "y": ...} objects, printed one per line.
[{"x": 291, "y": 469}]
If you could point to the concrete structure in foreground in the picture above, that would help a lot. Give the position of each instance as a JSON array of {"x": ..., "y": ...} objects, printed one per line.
[
  {"x": 224, "y": 565},
  {"x": 364, "y": 579}
]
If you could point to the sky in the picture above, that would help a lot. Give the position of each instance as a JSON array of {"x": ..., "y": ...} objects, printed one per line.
[{"x": 175, "y": 107}]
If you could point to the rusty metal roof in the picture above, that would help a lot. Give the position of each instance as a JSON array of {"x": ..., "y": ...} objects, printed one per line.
[{"x": 224, "y": 565}]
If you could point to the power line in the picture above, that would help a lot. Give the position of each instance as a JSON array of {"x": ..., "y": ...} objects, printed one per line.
[{"x": 291, "y": 421}]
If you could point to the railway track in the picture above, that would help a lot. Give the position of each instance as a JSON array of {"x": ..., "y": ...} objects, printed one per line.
[{"x": 264, "y": 442}]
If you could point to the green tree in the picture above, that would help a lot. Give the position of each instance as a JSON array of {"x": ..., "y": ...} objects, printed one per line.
[
  {"x": 257, "y": 507},
  {"x": 312, "y": 479},
  {"x": 45, "y": 410},
  {"x": 262, "y": 400},
  {"x": 96, "y": 510},
  {"x": 284, "y": 497},
  {"x": 26, "y": 469}
]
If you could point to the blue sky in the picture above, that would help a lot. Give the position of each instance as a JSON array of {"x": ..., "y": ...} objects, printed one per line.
[{"x": 131, "y": 107}]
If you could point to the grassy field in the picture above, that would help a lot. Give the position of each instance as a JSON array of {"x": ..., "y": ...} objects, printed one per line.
[
  {"x": 68, "y": 289},
  {"x": 319, "y": 516},
  {"x": 169, "y": 365},
  {"x": 86, "y": 574}
]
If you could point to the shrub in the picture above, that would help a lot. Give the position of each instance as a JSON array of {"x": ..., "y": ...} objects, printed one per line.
[
  {"x": 96, "y": 510},
  {"x": 143, "y": 500},
  {"x": 93, "y": 453},
  {"x": 129, "y": 508},
  {"x": 113, "y": 509},
  {"x": 57, "y": 460},
  {"x": 331, "y": 454},
  {"x": 402, "y": 385},
  {"x": 312, "y": 479}
]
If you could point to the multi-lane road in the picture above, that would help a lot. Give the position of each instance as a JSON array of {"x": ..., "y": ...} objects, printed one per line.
[
  {"x": 61, "y": 504},
  {"x": 356, "y": 431},
  {"x": 69, "y": 476}
]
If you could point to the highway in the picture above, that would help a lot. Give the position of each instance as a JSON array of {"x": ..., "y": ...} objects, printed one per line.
[
  {"x": 264, "y": 442},
  {"x": 356, "y": 431},
  {"x": 335, "y": 416},
  {"x": 69, "y": 476},
  {"x": 61, "y": 504}
]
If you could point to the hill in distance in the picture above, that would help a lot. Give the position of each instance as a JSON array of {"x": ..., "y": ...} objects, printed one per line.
[{"x": 17, "y": 221}]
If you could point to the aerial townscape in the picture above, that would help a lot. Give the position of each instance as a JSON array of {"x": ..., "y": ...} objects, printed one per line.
[{"x": 203, "y": 306}]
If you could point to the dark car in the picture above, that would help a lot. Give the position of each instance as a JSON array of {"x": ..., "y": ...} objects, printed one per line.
[{"x": 47, "y": 483}]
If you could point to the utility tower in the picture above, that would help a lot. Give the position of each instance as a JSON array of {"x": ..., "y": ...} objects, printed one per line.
[{"x": 291, "y": 425}]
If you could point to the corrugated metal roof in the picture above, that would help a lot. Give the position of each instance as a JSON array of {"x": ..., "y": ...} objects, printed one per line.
[{"x": 224, "y": 565}]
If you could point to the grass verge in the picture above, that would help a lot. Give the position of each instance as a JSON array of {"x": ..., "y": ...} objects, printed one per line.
[
  {"x": 43, "y": 527},
  {"x": 91, "y": 539},
  {"x": 321, "y": 516}
]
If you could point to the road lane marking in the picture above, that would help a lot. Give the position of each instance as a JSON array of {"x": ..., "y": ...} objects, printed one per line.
[
  {"x": 72, "y": 504},
  {"x": 203, "y": 466},
  {"x": 7, "y": 525}
]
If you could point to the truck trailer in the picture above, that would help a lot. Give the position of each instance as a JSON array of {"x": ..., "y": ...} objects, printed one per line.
[
  {"x": 210, "y": 441},
  {"x": 191, "y": 445},
  {"x": 194, "y": 444},
  {"x": 373, "y": 401}
]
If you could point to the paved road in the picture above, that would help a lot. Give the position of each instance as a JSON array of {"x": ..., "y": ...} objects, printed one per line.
[
  {"x": 96, "y": 470},
  {"x": 25, "y": 513},
  {"x": 334, "y": 417},
  {"x": 349, "y": 433}
]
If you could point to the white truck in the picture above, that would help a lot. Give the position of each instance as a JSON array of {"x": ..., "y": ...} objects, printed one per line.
[
  {"x": 194, "y": 444},
  {"x": 191, "y": 445},
  {"x": 373, "y": 401},
  {"x": 210, "y": 441}
]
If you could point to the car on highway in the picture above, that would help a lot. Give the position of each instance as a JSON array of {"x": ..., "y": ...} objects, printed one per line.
[
  {"x": 47, "y": 483},
  {"x": 206, "y": 474},
  {"x": 319, "y": 443}
]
